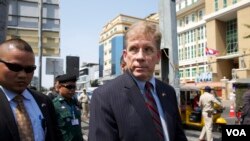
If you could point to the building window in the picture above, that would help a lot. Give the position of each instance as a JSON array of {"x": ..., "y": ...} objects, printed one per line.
[
  {"x": 231, "y": 37},
  {"x": 234, "y": 1},
  {"x": 180, "y": 54},
  {"x": 198, "y": 33},
  {"x": 187, "y": 73},
  {"x": 188, "y": 52},
  {"x": 200, "y": 50},
  {"x": 192, "y": 35},
  {"x": 192, "y": 52},
  {"x": 201, "y": 32},
  {"x": 125, "y": 28},
  {"x": 193, "y": 17},
  {"x": 181, "y": 73},
  {"x": 200, "y": 15},
  {"x": 180, "y": 23},
  {"x": 224, "y": 3},
  {"x": 201, "y": 70},
  {"x": 193, "y": 72},
  {"x": 215, "y": 5},
  {"x": 185, "y": 53},
  {"x": 186, "y": 20}
]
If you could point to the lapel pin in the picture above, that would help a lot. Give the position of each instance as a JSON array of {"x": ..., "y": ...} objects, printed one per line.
[
  {"x": 163, "y": 94},
  {"x": 43, "y": 105}
]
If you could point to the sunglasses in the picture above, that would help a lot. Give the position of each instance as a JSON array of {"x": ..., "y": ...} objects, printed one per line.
[
  {"x": 70, "y": 87},
  {"x": 18, "y": 68}
]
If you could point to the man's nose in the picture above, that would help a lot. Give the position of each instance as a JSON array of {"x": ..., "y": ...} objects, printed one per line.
[{"x": 140, "y": 54}]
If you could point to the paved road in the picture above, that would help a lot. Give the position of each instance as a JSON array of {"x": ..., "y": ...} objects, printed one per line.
[{"x": 193, "y": 135}]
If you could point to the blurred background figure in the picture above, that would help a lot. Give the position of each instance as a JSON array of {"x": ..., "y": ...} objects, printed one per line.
[
  {"x": 196, "y": 106},
  {"x": 53, "y": 91},
  {"x": 84, "y": 100},
  {"x": 232, "y": 97},
  {"x": 246, "y": 108},
  {"x": 122, "y": 64}
]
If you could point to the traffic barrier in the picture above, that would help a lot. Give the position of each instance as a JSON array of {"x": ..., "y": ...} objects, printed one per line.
[{"x": 231, "y": 112}]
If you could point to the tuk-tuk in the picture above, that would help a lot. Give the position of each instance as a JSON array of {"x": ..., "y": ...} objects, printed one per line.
[{"x": 191, "y": 116}]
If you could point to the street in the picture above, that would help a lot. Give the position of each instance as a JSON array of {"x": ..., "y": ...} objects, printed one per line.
[{"x": 193, "y": 135}]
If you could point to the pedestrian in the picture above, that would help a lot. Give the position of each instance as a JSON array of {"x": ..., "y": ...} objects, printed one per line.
[
  {"x": 84, "y": 100},
  {"x": 246, "y": 108},
  {"x": 207, "y": 101},
  {"x": 232, "y": 97},
  {"x": 53, "y": 93},
  {"x": 67, "y": 111},
  {"x": 26, "y": 115},
  {"x": 196, "y": 106},
  {"x": 136, "y": 106},
  {"x": 122, "y": 64}
]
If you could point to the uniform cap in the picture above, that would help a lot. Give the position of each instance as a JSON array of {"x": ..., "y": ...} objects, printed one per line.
[
  {"x": 207, "y": 89},
  {"x": 66, "y": 78}
]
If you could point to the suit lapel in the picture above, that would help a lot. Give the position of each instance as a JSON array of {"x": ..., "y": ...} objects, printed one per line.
[
  {"x": 42, "y": 105},
  {"x": 165, "y": 104},
  {"x": 137, "y": 100},
  {"x": 8, "y": 116}
]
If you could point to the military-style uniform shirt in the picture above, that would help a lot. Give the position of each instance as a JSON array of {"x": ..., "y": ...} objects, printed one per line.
[
  {"x": 207, "y": 101},
  {"x": 68, "y": 118}
]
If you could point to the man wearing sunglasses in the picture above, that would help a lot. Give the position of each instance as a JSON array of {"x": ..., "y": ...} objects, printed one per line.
[
  {"x": 17, "y": 102},
  {"x": 67, "y": 111}
]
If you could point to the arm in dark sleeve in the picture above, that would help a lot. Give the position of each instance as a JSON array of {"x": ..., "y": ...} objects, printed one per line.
[{"x": 102, "y": 126}]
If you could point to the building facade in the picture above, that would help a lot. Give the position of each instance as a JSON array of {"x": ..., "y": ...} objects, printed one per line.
[
  {"x": 23, "y": 22},
  {"x": 227, "y": 24},
  {"x": 191, "y": 40},
  {"x": 88, "y": 73}
]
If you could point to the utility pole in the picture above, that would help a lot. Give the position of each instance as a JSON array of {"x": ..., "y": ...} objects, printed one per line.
[
  {"x": 169, "y": 48},
  {"x": 40, "y": 43},
  {"x": 4, "y": 6}
]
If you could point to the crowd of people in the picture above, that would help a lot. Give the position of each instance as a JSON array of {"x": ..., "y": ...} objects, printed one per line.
[{"x": 135, "y": 106}]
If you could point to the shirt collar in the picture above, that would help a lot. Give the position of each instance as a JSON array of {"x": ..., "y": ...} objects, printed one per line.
[
  {"x": 11, "y": 95},
  {"x": 141, "y": 84}
]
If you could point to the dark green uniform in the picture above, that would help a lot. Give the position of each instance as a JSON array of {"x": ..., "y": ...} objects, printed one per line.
[{"x": 68, "y": 118}]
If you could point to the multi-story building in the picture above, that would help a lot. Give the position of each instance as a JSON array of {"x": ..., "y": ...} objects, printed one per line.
[
  {"x": 111, "y": 44},
  {"x": 191, "y": 32},
  {"x": 226, "y": 23},
  {"x": 88, "y": 73},
  {"x": 220, "y": 25},
  {"x": 23, "y": 22}
]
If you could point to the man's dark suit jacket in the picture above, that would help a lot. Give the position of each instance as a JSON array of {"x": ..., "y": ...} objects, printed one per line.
[
  {"x": 8, "y": 127},
  {"x": 118, "y": 112}
]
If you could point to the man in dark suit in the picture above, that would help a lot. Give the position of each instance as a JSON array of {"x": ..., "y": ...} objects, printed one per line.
[
  {"x": 16, "y": 71},
  {"x": 135, "y": 106}
]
